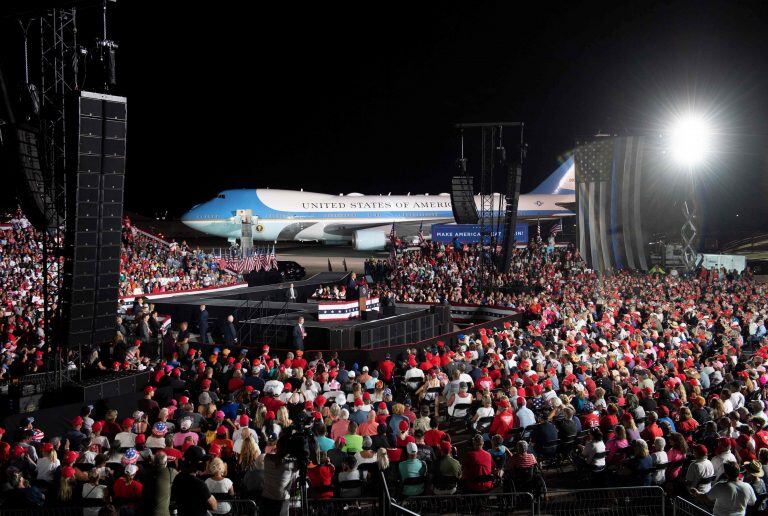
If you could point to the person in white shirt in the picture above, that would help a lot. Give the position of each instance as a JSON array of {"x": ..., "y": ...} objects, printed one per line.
[
  {"x": 218, "y": 483},
  {"x": 47, "y": 464},
  {"x": 595, "y": 446},
  {"x": 94, "y": 491},
  {"x": 659, "y": 456},
  {"x": 723, "y": 455},
  {"x": 699, "y": 470},
  {"x": 126, "y": 438},
  {"x": 525, "y": 416},
  {"x": 414, "y": 372},
  {"x": 733, "y": 496},
  {"x": 274, "y": 386}
]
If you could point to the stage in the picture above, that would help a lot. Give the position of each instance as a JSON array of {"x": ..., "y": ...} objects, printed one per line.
[{"x": 263, "y": 316}]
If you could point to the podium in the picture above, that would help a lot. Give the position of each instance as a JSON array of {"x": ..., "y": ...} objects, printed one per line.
[{"x": 361, "y": 303}]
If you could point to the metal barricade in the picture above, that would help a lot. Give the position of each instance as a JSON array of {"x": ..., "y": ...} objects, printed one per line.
[
  {"x": 346, "y": 506},
  {"x": 490, "y": 504},
  {"x": 242, "y": 507},
  {"x": 618, "y": 501},
  {"x": 683, "y": 507},
  {"x": 43, "y": 511}
]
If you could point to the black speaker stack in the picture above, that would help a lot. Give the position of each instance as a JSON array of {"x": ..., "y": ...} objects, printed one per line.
[
  {"x": 463, "y": 200},
  {"x": 96, "y": 129}
]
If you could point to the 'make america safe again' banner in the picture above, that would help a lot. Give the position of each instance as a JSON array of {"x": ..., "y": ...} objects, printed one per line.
[{"x": 470, "y": 233}]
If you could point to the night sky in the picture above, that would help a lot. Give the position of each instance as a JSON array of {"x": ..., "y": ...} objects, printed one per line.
[{"x": 340, "y": 98}]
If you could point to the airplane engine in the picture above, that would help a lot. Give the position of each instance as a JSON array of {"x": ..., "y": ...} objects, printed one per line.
[{"x": 367, "y": 240}]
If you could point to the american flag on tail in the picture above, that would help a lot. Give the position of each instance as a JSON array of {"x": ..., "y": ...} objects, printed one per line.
[{"x": 557, "y": 228}]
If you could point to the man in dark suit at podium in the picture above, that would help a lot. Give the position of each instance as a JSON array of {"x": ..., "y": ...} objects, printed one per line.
[
  {"x": 298, "y": 334},
  {"x": 352, "y": 287}
]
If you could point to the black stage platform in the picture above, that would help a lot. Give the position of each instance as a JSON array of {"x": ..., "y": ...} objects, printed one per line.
[{"x": 263, "y": 316}]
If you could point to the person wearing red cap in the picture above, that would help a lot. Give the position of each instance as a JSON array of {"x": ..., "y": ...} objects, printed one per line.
[
  {"x": 74, "y": 435},
  {"x": 701, "y": 472},
  {"x": 98, "y": 443},
  {"x": 147, "y": 404},
  {"x": 47, "y": 464},
  {"x": 222, "y": 439},
  {"x": 447, "y": 467},
  {"x": 504, "y": 420},
  {"x": 126, "y": 438}
]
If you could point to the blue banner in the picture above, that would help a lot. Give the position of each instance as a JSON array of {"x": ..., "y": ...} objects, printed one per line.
[{"x": 470, "y": 233}]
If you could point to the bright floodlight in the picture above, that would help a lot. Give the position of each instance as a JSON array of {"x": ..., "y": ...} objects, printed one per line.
[{"x": 690, "y": 140}]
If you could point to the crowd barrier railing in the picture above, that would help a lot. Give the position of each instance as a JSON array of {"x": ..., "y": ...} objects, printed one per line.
[
  {"x": 242, "y": 507},
  {"x": 346, "y": 506},
  {"x": 491, "y": 504},
  {"x": 683, "y": 507},
  {"x": 617, "y": 501}
]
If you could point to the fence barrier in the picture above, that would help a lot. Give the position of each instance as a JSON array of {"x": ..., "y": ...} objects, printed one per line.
[
  {"x": 241, "y": 507},
  {"x": 683, "y": 507},
  {"x": 618, "y": 501},
  {"x": 491, "y": 504},
  {"x": 346, "y": 506}
]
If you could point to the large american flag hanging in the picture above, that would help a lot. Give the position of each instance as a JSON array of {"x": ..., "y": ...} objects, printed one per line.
[{"x": 608, "y": 197}]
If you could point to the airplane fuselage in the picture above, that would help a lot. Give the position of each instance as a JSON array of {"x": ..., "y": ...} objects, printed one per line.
[{"x": 278, "y": 215}]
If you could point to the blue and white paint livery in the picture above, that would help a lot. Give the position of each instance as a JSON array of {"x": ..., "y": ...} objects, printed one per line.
[{"x": 364, "y": 220}]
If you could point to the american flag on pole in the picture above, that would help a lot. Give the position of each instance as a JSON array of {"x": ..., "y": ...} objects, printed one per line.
[
  {"x": 273, "y": 258},
  {"x": 241, "y": 264},
  {"x": 421, "y": 233},
  {"x": 261, "y": 262},
  {"x": 557, "y": 228},
  {"x": 265, "y": 261}
]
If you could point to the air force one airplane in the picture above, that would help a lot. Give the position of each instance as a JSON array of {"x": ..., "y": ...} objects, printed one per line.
[{"x": 363, "y": 220}]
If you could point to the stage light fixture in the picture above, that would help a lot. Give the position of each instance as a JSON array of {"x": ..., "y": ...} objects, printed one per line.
[{"x": 690, "y": 140}]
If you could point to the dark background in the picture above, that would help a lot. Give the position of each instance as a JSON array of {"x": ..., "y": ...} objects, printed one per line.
[{"x": 339, "y": 97}]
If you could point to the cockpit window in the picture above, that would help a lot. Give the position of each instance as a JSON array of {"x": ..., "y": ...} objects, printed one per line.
[{"x": 221, "y": 196}]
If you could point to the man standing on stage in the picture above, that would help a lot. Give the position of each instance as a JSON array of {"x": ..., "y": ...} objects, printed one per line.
[
  {"x": 290, "y": 294},
  {"x": 299, "y": 334},
  {"x": 230, "y": 333},
  {"x": 352, "y": 287},
  {"x": 203, "y": 325}
]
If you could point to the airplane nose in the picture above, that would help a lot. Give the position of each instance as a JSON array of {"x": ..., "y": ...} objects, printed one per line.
[{"x": 189, "y": 217}]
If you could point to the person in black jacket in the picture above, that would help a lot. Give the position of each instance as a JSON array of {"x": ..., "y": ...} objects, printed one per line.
[
  {"x": 298, "y": 334},
  {"x": 229, "y": 331},
  {"x": 203, "y": 324}
]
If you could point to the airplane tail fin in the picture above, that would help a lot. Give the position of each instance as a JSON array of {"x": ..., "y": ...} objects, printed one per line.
[{"x": 561, "y": 181}]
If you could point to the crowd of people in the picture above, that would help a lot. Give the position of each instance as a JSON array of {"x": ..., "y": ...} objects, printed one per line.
[
  {"x": 634, "y": 379},
  {"x": 151, "y": 266},
  {"x": 22, "y": 288},
  {"x": 147, "y": 266},
  {"x": 437, "y": 273}
]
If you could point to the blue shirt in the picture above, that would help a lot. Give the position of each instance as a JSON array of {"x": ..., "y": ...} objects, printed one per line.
[
  {"x": 409, "y": 469},
  {"x": 324, "y": 443}
]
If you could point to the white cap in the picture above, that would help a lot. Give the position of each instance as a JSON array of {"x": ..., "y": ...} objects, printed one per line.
[
  {"x": 365, "y": 368},
  {"x": 412, "y": 448},
  {"x": 131, "y": 469},
  {"x": 351, "y": 374},
  {"x": 186, "y": 423}
]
